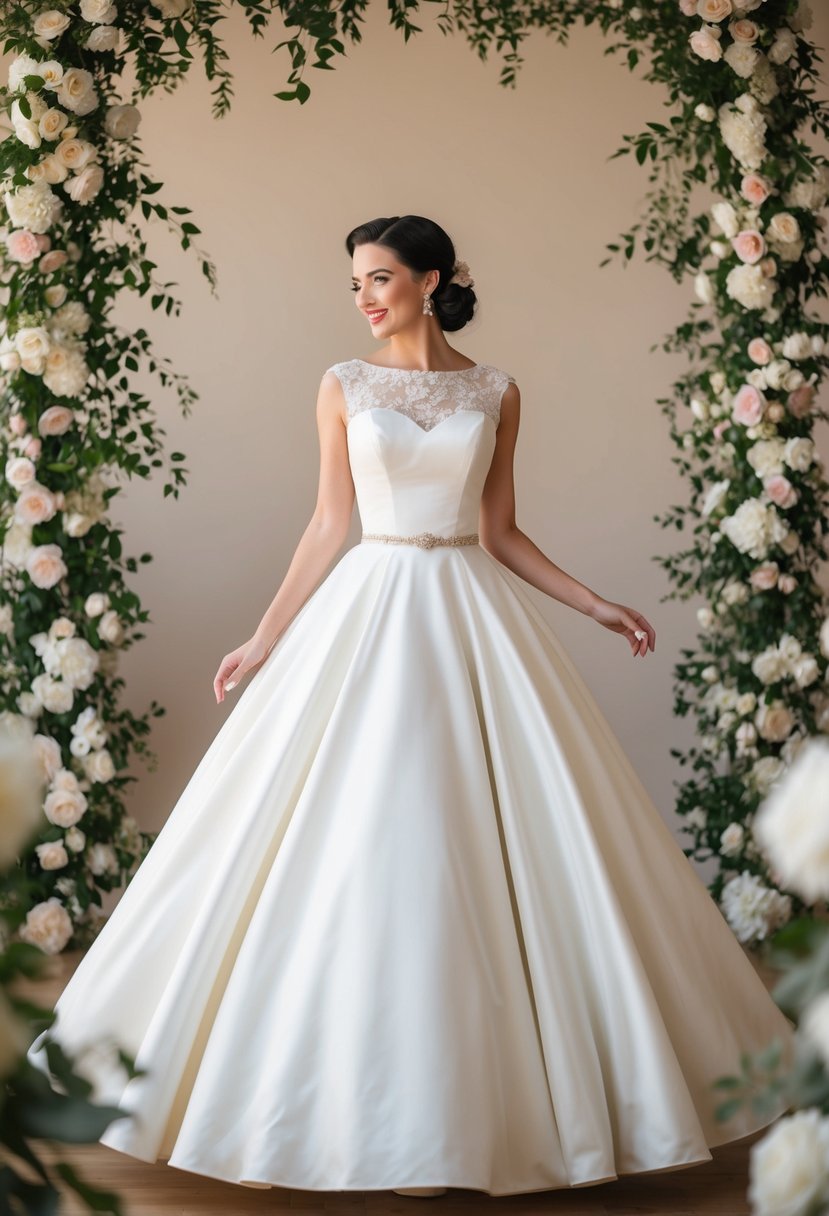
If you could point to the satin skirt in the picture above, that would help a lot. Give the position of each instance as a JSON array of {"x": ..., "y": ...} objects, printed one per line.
[{"x": 415, "y": 920}]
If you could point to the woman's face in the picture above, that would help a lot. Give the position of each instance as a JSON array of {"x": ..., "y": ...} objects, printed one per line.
[{"x": 385, "y": 291}]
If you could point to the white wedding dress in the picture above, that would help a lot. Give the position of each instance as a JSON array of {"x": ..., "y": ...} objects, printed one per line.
[{"x": 414, "y": 920}]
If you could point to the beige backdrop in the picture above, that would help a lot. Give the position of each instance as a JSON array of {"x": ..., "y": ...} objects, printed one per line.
[{"x": 523, "y": 181}]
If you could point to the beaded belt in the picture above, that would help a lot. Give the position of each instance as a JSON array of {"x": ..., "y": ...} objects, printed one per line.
[{"x": 424, "y": 540}]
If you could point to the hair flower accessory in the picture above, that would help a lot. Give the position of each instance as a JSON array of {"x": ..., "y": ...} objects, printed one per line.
[{"x": 461, "y": 275}]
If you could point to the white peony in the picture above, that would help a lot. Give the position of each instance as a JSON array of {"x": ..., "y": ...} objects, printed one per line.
[
  {"x": 789, "y": 1167},
  {"x": 749, "y": 286},
  {"x": 34, "y": 207},
  {"x": 78, "y": 662},
  {"x": 752, "y": 909},
  {"x": 792, "y": 827},
  {"x": 754, "y": 527},
  {"x": 66, "y": 372}
]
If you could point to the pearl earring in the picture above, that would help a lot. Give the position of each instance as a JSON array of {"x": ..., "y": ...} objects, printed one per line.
[{"x": 427, "y": 306}]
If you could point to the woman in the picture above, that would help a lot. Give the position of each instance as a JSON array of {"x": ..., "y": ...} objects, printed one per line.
[{"x": 415, "y": 922}]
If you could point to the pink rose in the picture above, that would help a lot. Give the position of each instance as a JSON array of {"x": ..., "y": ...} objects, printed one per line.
[
  {"x": 787, "y": 583},
  {"x": 45, "y": 565},
  {"x": 800, "y": 400},
  {"x": 720, "y": 427},
  {"x": 35, "y": 504},
  {"x": 748, "y": 405},
  {"x": 764, "y": 577},
  {"x": 744, "y": 31},
  {"x": 705, "y": 45},
  {"x": 55, "y": 420},
  {"x": 780, "y": 490},
  {"x": 17, "y": 424},
  {"x": 688, "y": 8},
  {"x": 33, "y": 447},
  {"x": 52, "y": 261},
  {"x": 22, "y": 246},
  {"x": 44, "y": 240},
  {"x": 755, "y": 188},
  {"x": 759, "y": 350},
  {"x": 749, "y": 245}
]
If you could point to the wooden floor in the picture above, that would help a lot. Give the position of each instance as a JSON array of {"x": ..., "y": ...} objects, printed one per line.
[{"x": 716, "y": 1187}]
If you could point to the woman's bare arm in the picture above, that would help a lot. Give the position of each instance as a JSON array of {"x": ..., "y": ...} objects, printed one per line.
[
  {"x": 501, "y": 536},
  {"x": 328, "y": 527}
]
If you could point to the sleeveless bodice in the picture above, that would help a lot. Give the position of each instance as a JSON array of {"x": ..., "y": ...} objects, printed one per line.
[{"x": 420, "y": 444}]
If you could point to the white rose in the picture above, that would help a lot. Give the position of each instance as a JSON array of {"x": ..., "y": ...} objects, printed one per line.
[
  {"x": 52, "y": 694},
  {"x": 172, "y": 8},
  {"x": 64, "y": 807},
  {"x": 103, "y": 38},
  {"x": 96, "y": 603},
  {"x": 102, "y": 858},
  {"x": 742, "y": 58},
  {"x": 121, "y": 122},
  {"x": 725, "y": 216},
  {"x": 789, "y": 1166},
  {"x": 50, "y": 24},
  {"x": 84, "y": 186},
  {"x": 783, "y": 227},
  {"x": 52, "y": 855},
  {"x": 45, "y": 565},
  {"x": 99, "y": 12},
  {"x": 75, "y": 839},
  {"x": 98, "y": 766},
  {"x": 731, "y": 840},
  {"x": 774, "y": 721},
  {"x": 31, "y": 341},
  {"x": 111, "y": 628},
  {"x": 20, "y": 471},
  {"x": 76, "y": 91},
  {"x": 47, "y": 925}
]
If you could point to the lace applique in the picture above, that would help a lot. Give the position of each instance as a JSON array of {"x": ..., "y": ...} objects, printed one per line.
[{"x": 427, "y": 397}]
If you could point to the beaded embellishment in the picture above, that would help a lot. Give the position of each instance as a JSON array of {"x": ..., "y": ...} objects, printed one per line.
[
  {"x": 424, "y": 540},
  {"x": 427, "y": 397}
]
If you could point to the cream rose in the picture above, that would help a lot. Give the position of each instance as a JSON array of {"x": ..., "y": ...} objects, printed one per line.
[
  {"x": 47, "y": 925},
  {"x": 52, "y": 855},
  {"x": 50, "y": 24}
]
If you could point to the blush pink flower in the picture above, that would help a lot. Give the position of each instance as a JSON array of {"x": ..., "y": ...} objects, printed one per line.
[
  {"x": 17, "y": 424},
  {"x": 52, "y": 260},
  {"x": 755, "y": 188},
  {"x": 688, "y": 8},
  {"x": 748, "y": 405},
  {"x": 800, "y": 400},
  {"x": 764, "y": 577},
  {"x": 33, "y": 447},
  {"x": 787, "y": 583},
  {"x": 22, "y": 246},
  {"x": 720, "y": 427},
  {"x": 759, "y": 351},
  {"x": 749, "y": 245},
  {"x": 780, "y": 490},
  {"x": 55, "y": 420}
]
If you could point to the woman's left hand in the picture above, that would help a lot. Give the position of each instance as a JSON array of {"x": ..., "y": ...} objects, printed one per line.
[{"x": 628, "y": 622}]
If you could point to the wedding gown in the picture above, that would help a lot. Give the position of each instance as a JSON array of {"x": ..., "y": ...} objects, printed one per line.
[{"x": 414, "y": 920}]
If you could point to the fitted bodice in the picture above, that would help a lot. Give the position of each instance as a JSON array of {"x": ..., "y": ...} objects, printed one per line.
[{"x": 420, "y": 444}]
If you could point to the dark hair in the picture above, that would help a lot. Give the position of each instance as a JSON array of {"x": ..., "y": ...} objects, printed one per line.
[{"x": 422, "y": 245}]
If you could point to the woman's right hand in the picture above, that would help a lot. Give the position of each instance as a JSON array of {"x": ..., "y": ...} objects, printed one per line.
[{"x": 237, "y": 664}]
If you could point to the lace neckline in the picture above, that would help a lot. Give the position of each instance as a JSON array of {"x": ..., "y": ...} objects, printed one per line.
[{"x": 420, "y": 371}]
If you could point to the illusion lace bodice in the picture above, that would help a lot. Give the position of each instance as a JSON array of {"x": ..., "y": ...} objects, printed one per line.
[
  {"x": 420, "y": 444},
  {"x": 427, "y": 397}
]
